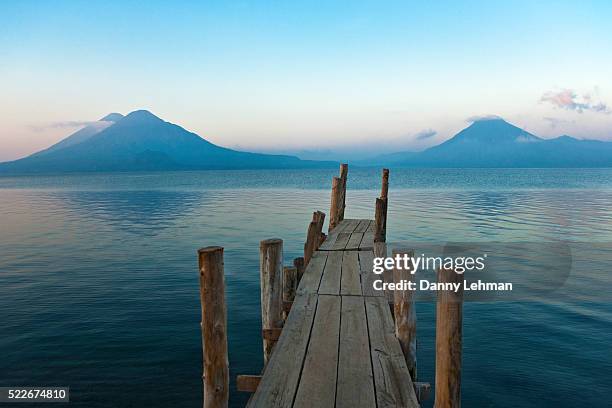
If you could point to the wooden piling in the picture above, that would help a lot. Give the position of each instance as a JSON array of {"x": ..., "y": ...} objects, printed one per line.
[
  {"x": 449, "y": 315},
  {"x": 271, "y": 267},
  {"x": 380, "y": 221},
  {"x": 380, "y": 216},
  {"x": 214, "y": 328},
  {"x": 336, "y": 203},
  {"x": 313, "y": 235},
  {"x": 344, "y": 178},
  {"x": 405, "y": 313},
  {"x": 384, "y": 191}
]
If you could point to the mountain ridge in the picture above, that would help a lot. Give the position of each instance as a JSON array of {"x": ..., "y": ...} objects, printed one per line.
[
  {"x": 143, "y": 141},
  {"x": 494, "y": 143}
]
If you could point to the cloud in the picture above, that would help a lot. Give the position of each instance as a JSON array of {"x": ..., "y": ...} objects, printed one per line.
[
  {"x": 425, "y": 134},
  {"x": 479, "y": 118},
  {"x": 70, "y": 124},
  {"x": 569, "y": 99}
]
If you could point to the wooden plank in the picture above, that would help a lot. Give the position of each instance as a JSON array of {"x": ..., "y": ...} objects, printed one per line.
[
  {"x": 280, "y": 380},
  {"x": 367, "y": 242},
  {"x": 346, "y": 226},
  {"x": 318, "y": 382},
  {"x": 247, "y": 383},
  {"x": 366, "y": 261},
  {"x": 329, "y": 242},
  {"x": 355, "y": 381},
  {"x": 354, "y": 241},
  {"x": 394, "y": 387},
  {"x": 363, "y": 226},
  {"x": 350, "y": 282},
  {"x": 312, "y": 275},
  {"x": 330, "y": 282},
  {"x": 341, "y": 241},
  {"x": 371, "y": 227}
]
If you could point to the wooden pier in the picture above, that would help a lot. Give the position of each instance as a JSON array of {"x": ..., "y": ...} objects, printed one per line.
[{"x": 329, "y": 338}]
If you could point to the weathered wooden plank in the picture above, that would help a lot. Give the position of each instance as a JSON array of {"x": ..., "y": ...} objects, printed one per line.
[
  {"x": 366, "y": 261},
  {"x": 394, "y": 387},
  {"x": 347, "y": 226},
  {"x": 330, "y": 282},
  {"x": 367, "y": 242},
  {"x": 341, "y": 241},
  {"x": 312, "y": 275},
  {"x": 355, "y": 382},
  {"x": 363, "y": 226},
  {"x": 280, "y": 380},
  {"x": 371, "y": 227},
  {"x": 247, "y": 383},
  {"x": 354, "y": 241},
  {"x": 350, "y": 282},
  {"x": 318, "y": 382}
]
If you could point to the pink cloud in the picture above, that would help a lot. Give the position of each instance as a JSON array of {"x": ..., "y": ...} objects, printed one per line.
[{"x": 569, "y": 99}]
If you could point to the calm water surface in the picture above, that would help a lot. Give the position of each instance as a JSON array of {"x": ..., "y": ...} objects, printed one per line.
[{"x": 99, "y": 283}]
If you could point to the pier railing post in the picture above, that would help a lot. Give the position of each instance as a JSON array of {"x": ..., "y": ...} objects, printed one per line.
[
  {"x": 215, "y": 375},
  {"x": 344, "y": 178},
  {"x": 336, "y": 203},
  {"x": 380, "y": 216},
  {"x": 380, "y": 221},
  {"x": 384, "y": 190},
  {"x": 405, "y": 314},
  {"x": 271, "y": 269},
  {"x": 449, "y": 315},
  {"x": 313, "y": 236}
]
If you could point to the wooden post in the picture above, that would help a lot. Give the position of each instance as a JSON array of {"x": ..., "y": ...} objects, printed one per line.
[
  {"x": 214, "y": 328},
  {"x": 405, "y": 313},
  {"x": 384, "y": 191},
  {"x": 343, "y": 177},
  {"x": 298, "y": 264},
  {"x": 271, "y": 267},
  {"x": 380, "y": 221},
  {"x": 313, "y": 236},
  {"x": 449, "y": 315},
  {"x": 336, "y": 203}
]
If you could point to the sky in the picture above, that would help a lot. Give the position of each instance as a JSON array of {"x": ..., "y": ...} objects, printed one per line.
[{"x": 271, "y": 76}]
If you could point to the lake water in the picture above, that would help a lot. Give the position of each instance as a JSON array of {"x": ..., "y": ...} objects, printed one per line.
[{"x": 99, "y": 280}]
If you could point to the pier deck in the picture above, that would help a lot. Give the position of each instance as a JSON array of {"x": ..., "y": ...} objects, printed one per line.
[{"x": 338, "y": 346}]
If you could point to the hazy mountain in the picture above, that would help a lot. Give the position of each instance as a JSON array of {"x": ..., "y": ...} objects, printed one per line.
[
  {"x": 84, "y": 133},
  {"x": 497, "y": 143},
  {"x": 142, "y": 141}
]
